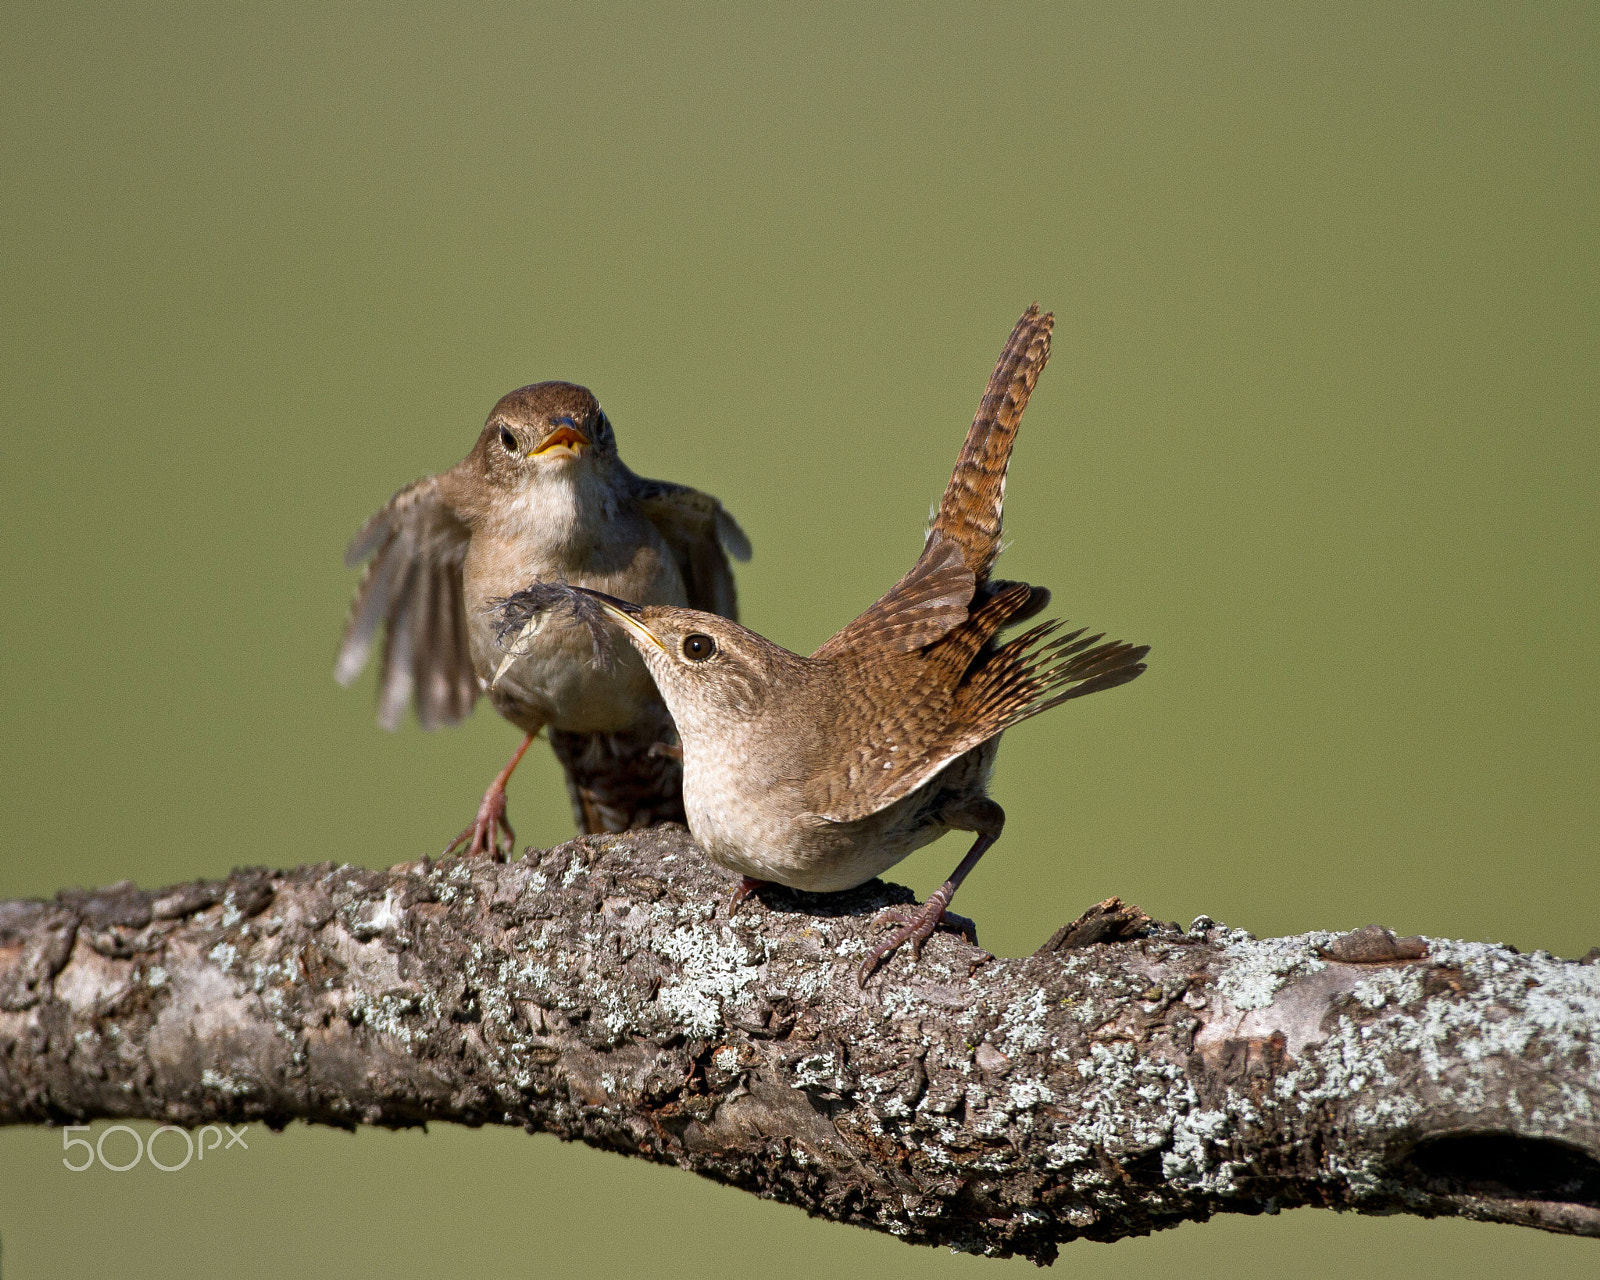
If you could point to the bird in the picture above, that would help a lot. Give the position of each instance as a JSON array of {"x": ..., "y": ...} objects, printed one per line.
[
  {"x": 821, "y": 772},
  {"x": 543, "y": 494}
]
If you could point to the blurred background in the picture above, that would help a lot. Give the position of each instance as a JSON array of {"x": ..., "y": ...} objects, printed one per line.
[{"x": 1319, "y": 427}]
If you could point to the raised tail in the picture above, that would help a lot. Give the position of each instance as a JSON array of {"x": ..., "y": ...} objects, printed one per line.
[{"x": 969, "y": 513}]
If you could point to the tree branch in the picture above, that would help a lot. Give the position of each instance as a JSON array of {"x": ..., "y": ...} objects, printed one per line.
[{"x": 1126, "y": 1077}]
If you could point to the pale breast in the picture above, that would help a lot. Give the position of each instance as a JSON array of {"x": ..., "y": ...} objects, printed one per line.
[{"x": 755, "y": 828}]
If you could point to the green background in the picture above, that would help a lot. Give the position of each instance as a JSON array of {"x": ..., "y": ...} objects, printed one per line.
[{"x": 1319, "y": 427}]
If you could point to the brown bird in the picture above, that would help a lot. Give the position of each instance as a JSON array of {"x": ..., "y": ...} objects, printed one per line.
[
  {"x": 819, "y": 773},
  {"x": 542, "y": 496}
]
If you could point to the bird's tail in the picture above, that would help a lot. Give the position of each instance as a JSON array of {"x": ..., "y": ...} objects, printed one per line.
[
  {"x": 969, "y": 513},
  {"x": 622, "y": 781}
]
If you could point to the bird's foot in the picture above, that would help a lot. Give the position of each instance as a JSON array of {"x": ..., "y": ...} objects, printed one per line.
[
  {"x": 747, "y": 886},
  {"x": 916, "y": 927},
  {"x": 490, "y": 833}
]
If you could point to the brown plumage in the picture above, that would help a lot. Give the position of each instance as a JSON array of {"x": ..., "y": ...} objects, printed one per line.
[
  {"x": 821, "y": 772},
  {"x": 542, "y": 496}
]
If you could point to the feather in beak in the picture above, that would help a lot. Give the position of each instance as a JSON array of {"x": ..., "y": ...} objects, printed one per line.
[{"x": 518, "y": 618}]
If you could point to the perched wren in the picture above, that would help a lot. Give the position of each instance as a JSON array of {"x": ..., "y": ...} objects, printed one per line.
[
  {"x": 819, "y": 773},
  {"x": 542, "y": 496}
]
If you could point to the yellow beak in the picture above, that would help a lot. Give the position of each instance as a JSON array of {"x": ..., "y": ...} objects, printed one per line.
[
  {"x": 632, "y": 625},
  {"x": 568, "y": 438}
]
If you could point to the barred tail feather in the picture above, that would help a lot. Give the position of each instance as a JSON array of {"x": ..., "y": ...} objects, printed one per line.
[
  {"x": 970, "y": 511},
  {"x": 621, "y": 781}
]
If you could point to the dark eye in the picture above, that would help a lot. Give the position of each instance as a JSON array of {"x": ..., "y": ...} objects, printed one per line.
[
  {"x": 697, "y": 648},
  {"x": 508, "y": 442}
]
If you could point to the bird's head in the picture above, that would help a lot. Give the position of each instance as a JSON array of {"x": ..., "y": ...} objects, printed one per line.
[
  {"x": 547, "y": 430},
  {"x": 713, "y": 674}
]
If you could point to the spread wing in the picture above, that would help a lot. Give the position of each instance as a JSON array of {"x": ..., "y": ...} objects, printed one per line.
[
  {"x": 412, "y": 588},
  {"x": 999, "y": 687},
  {"x": 929, "y": 602},
  {"x": 701, "y": 535}
]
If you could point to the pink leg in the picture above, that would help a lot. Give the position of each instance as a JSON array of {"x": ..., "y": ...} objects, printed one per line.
[
  {"x": 918, "y": 926},
  {"x": 485, "y": 832}
]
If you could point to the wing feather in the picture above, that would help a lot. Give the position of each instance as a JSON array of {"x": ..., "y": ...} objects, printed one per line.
[
  {"x": 1002, "y": 687},
  {"x": 701, "y": 535},
  {"x": 412, "y": 592},
  {"x": 927, "y": 604}
]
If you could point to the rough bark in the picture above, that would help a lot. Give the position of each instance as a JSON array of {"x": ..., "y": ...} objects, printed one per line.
[{"x": 1128, "y": 1076}]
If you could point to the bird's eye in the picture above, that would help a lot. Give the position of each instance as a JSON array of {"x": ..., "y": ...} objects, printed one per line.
[
  {"x": 697, "y": 648},
  {"x": 508, "y": 442}
]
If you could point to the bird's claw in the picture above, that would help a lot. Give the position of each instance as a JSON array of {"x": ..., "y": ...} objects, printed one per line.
[
  {"x": 916, "y": 928},
  {"x": 490, "y": 833}
]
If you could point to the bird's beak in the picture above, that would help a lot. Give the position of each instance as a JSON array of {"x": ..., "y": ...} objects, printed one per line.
[
  {"x": 566, "y": 441},
  {"x": 622, "y": 613}
]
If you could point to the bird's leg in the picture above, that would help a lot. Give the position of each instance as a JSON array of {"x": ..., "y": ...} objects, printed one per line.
[
  {"x": 666, "y": 751},
  {"x": 485, "y": 832},
  {"x": 986, "y": 818},
  {"x": 747, "y": 886}
]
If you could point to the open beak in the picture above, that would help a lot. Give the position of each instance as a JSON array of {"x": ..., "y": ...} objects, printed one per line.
[
  {"x": 563, "y": 441},
  {"x": 622, "y": 613}
]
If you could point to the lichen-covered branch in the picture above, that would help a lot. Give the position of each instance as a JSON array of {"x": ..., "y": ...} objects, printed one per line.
[{"x": 1128, "y": 1076}]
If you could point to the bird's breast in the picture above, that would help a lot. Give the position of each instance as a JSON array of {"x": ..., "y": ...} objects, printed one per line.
[{"x": 763, "y": 827}]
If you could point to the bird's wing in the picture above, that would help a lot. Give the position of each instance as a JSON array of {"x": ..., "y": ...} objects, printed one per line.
[
  {"x": 412, "y": 588},
  {"x": 926, "y": 604},
  {"x": 912, "y": 741},
  {"x": 701, "y": 535}
]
